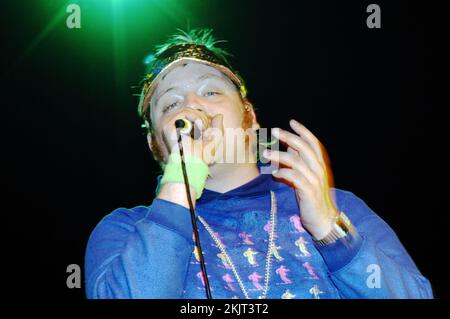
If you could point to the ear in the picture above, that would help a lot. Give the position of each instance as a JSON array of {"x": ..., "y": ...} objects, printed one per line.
[
  {"x": 149, "y": 137},
  {"x": 248, "y": 107},
  {"x": 149, "y": 141}
]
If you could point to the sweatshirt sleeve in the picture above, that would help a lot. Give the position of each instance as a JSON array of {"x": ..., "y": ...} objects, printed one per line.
[
  {"x": 140, "y": 258},
  {"x": 372, "y": 262}
]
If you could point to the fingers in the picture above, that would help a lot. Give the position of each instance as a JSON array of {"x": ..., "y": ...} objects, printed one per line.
[
  {"x": 313, "y": 142},
  {"x": 217, "y": 121},
  {"x": 214, "y": 134},
  {"x": 213, "y": 137},
  {"x": 294, "y": 141},
  {"x": 304, "y": 163},
  {"x": 292, "y": 160},
  {"x": 294, "y": 177},
  {"x": 206, "y": 139},
  {"x": 216, "y": 124},
  {"x": 302, "y": 148}
]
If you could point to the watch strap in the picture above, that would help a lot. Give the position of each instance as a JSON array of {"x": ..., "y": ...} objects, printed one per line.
[{"x": 340, "y": 228}]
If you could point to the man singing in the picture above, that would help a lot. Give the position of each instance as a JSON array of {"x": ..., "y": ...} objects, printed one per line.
[{"x": 266, "y": 231}]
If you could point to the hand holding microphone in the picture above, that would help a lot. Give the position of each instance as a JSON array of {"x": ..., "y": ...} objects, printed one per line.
[
  {"x": 201, "y": 137},
  {"x": 199, "y": 152}
]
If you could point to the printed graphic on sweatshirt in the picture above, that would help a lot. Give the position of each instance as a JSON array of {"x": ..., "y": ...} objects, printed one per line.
[
  {"x": 296, "y": 222},
  {"x": 250, "y": 254},
  {"x": 293, "y": 258},
  {"x": 310, "y": 270},
  {"x": 315, "y": 291},
  {"x": 255, "y": 278},
  {"x": 301, "y": 244},
  {"x": 229, "y": 282},
  {"x": 282, "y": 271},
  {"x": 246, "y": 238}
]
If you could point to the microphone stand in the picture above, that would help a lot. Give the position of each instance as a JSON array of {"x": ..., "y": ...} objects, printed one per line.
[{"x": 179, "y": 124}]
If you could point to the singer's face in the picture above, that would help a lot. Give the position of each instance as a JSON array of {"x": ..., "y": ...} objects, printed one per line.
[{"x": 194, "y": 90}]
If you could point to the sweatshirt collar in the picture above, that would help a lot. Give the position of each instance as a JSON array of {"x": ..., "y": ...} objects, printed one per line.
[{"x": 261, "y": 184}]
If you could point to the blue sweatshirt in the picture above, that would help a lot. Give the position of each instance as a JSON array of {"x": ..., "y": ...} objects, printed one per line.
[{"x": 148, "y": 251}]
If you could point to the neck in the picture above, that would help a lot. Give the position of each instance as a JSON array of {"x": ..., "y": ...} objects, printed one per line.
[{"x": 225, "y": 177}]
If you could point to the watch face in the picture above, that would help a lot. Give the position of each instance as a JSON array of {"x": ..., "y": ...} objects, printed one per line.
[
  {"x": 340, "y": 230},
  {"x": 345, "y": 219},
  {"x": 342, "y": 226}
]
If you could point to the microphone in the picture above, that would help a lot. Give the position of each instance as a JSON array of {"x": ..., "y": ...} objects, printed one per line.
[{"x": 186, "y": 127}]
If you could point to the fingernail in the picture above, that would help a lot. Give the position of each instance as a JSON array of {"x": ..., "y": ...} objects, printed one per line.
[
  {"x": 276, "y": 132},
  {"x": 266, "y": 153}
]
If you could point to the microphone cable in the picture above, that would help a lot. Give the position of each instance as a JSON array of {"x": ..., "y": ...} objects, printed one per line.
[{"x": 180, "y": 124}]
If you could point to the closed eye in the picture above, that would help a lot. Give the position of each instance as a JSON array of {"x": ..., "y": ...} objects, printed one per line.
[{"x": 169, "y": 107}]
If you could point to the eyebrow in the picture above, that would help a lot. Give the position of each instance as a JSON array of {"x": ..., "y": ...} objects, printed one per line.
[{"x": 200, "y": 78}]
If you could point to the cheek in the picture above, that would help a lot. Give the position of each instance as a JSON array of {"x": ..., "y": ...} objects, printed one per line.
[
  {"x": 160, "y": 122},
  {"x": 158, "y": 118},
  {"x": 158, "y": 149},
  {"x": 232, "y": 116}
]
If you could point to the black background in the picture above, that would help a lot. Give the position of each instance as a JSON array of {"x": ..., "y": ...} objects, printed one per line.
[{"x": 74, "y": 151}]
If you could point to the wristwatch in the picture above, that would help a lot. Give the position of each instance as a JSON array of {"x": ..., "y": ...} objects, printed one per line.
[{"x": 340, "y": 229}]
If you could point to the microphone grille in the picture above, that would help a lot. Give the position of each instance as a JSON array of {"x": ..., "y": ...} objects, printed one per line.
[{"x": 180, "y": 123}]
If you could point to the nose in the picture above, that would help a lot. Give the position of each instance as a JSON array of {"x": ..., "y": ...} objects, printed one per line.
[
  {"x": 194, "y": 102},
  {"x": 196, "y": 110}
]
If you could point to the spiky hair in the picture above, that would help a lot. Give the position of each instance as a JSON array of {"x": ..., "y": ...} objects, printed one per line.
[
  {"x": 201, "y": 36},
  {"x": 198, "y": 44}
]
